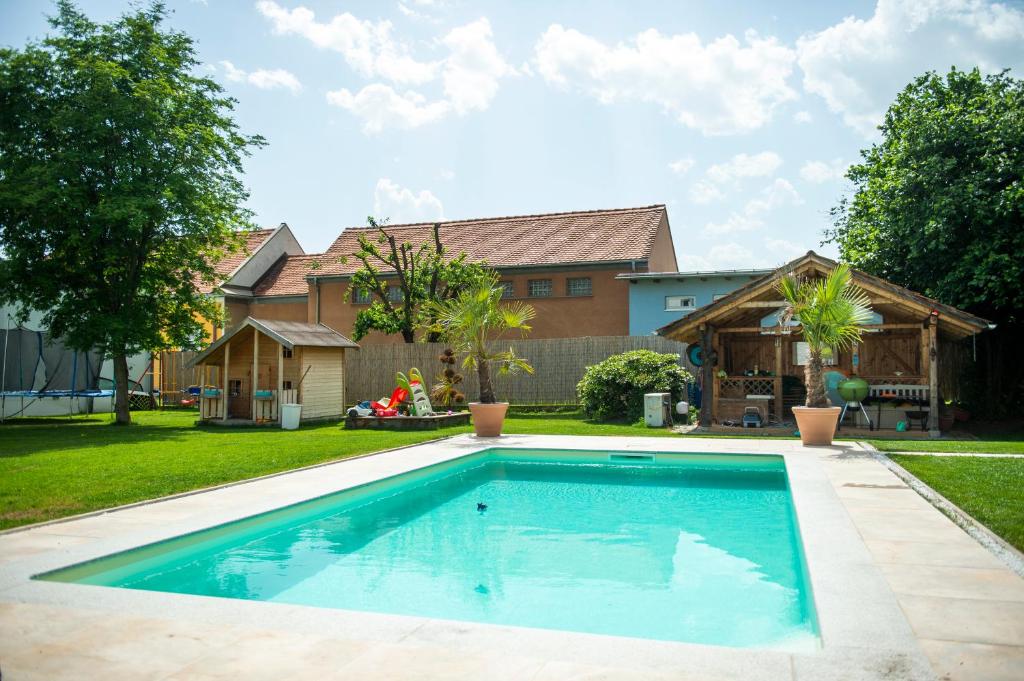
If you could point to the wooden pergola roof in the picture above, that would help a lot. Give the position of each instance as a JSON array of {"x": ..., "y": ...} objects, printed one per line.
[
  {"x": 288, "y": 334},
  {"x": 747, "y": 305}
]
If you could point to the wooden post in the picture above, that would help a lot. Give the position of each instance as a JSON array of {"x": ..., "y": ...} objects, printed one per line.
[
  {"x": 280, "y": 378},
  {"x": 933, "y": 377},
  {"x": 224, "y": 393},
  {"x": 708, "y": 378},
  {"x": 777, "y": 383},
  {"x": 255, "y": 370},
  {"x": 716, "y": 383}
]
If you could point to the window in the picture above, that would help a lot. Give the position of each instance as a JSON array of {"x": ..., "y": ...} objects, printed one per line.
[
  {"x": 394, "y": 294},
  {"x": 579, "y": 286},
  {"x": 286, "y": 353},
  {"x": 718, "y": 296},
  {"x": 676, "y": 303},
  {"x": 508, "y": 289},
  {"x": 234, "y": 388},
  {"x": 360, "y": 297},
  {"x": 539, "y": 288},
  {"x": 286, "y": 385}
]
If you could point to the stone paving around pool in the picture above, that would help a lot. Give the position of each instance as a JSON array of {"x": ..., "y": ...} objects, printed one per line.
[{"x": 901, "y": 593}]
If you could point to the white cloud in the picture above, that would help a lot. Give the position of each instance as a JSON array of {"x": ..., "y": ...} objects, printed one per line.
[
  {"x": 265, "y": 79},
  {"x": 681, "y": 166},
  {"x": 803, "y": 117},
  {"x": 859, "y": 65},
  {"x": 752, "y": 216},
  {"x": 722, "y": 87},
  {"x": 367, "y": 46},
  {"x": 720, "y": 257},
  {"x": 819, "y": 172},
  {"x": 705, "y": 192},
  {"x": 447, "y": 174},
  {"x": 472, "y": 70},
  {"x": 469, "y": 74},
  {"x": 745, "y": 165},
  {"x": 783, "y": 250},
  {"x": 401, "y": 205},
  {"x": 380, "y": 107}
]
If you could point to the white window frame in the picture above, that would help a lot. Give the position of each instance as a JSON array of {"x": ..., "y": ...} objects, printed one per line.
[
  {"x": 681, "y": 308},
  {"x": 550, "y": 288},
  {"x": 571, "y": 280}
]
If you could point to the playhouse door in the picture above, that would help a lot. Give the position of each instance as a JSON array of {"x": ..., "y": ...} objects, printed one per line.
[{"x": 239, "y": 399}]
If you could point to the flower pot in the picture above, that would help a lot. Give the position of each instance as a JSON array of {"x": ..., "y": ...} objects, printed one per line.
[
  {"x": 488, "y": 418},
  {"x": 817, "y": 425}
]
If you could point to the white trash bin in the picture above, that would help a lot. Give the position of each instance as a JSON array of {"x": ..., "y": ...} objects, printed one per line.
[{"x": 290, "y": 416}]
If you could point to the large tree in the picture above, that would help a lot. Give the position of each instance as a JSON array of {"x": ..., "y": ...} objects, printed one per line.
[
  {"x": 420, "y": 274},
  {"x": 939, "y": 205},
  {"x": 120, "y": 184}
]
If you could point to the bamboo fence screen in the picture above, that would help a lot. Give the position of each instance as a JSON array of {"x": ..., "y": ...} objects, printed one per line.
[{"x": 558, "y": 365}]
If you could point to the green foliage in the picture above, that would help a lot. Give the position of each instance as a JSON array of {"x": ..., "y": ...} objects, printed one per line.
[
  {"x": 120, "y": 184},
  {"x": 475, "y": 316},
  {"x": 939, "y": 202},
  {"x": 423, "y": 274},
  {"x": 614, "y": 389},
  {"x": 831, "y": 311}
]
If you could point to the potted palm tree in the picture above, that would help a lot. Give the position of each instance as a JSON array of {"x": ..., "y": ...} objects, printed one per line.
[
  {"x": 830, "y": 311},
  {"x": 469, "y": 322}
]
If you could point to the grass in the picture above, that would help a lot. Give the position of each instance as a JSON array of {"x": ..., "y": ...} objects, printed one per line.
[
  {"x": 989, "y": 489},
  {"x": 1013, "y": 444},
  {"x": 55, "y": 467}
]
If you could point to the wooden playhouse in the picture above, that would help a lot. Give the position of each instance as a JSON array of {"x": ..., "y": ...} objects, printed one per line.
[
  {"x": 261, "y": 364},
  {"x": 757, "y": 363}
]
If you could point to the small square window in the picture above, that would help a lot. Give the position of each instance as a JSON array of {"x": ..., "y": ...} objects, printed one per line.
[
  {"x": 286, "y": 385},
  {"x": 508, "y": 289},
  {"x": 677, "y": 303},
  {"x": 539, "y": 288},
  {"x": 360, "y": 297},
  {"x": 286, "y": 353},
  {"x": 234, "y": 388},
  {"x": 395, "y": 294},
  {"x": 579, "y": 286}
]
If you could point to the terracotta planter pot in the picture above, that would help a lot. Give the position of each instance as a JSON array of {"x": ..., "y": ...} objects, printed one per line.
[
  {"x": 488, "y": 418},
  {"x": 817, "y": 425}
]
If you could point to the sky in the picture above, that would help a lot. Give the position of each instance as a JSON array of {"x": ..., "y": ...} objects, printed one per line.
[{"x": 741, "y": 117}]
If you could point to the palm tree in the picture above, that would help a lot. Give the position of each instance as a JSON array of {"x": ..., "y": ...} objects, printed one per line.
[
  {"x": 471, "y": 319},
  {"x": 830, "y": 311}
]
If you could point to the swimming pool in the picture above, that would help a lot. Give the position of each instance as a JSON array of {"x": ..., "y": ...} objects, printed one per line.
[{"x": 684, "y": 547}]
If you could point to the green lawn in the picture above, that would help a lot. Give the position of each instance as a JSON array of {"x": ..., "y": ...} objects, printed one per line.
[
  {"x": 1007, "y": 445},
  {"x": 989, "y": 489},
  {"x": 54, "y": 467}
]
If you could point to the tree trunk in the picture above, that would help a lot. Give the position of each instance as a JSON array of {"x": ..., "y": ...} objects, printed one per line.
[
  {"x": 122, "y": 412},
  {"x": 483, "y": 371},
  {"x": 408, "y": 335},
  {"x": 816, "y": 395}
]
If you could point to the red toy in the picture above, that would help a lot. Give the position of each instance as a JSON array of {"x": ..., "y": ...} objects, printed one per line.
[{"x": 391, "y": 408}]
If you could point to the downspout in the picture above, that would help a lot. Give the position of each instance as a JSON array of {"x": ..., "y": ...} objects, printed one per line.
[{"x": 316, "y": 283}]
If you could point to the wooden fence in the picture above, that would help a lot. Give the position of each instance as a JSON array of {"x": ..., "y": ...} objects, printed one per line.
[{"x": 559, "y": 364}]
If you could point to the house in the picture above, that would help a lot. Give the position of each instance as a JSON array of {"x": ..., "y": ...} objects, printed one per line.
[
  {"x": 260, "y": 364},
  {"x": 756, "y": 362},
  {"x": 658, "y": 298},
  {"x": 564, "y": 264},
  {"x": 240, "y": 271}
]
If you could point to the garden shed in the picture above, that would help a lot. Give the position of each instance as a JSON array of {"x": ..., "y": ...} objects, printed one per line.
[
  {"x": 907, "y": 354},
  {"x": 260, "y": 364}
]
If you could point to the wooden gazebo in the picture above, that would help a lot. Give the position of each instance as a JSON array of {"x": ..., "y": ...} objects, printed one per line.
[
  {"x": 260, "y": 364},
  {"x": 756, "y": 361}
]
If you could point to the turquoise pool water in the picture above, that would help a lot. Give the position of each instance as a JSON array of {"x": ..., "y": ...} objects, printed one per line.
[{"x": 698, "y": 548}]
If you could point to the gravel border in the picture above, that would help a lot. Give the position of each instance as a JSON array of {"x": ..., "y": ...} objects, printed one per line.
[{"x": 995, "y": 544}]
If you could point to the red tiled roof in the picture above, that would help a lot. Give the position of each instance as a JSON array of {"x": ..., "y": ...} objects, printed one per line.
[
  {"x": 231, "y": 262},
  {"x": 287, "y": 276},
  {"x": 617, "y": 235}
]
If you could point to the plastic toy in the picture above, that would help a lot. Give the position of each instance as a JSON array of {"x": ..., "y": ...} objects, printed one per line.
[
  {"x": 415, "y": 386},
  {"x": 361, "y": 409},
  {"x": 389, "y": 407}
]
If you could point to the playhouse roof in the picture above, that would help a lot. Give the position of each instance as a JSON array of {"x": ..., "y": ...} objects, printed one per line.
[{"x": 289, "y": 334}]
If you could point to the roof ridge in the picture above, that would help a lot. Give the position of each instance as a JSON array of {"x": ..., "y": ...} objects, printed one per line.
[{"x": 409, "y": 225}]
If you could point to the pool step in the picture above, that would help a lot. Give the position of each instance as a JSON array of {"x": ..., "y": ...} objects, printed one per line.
[{"x": 631, "y": 458}]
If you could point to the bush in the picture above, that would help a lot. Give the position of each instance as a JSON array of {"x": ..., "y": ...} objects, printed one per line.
[{"x": 615, "y": 388}]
